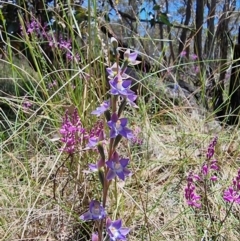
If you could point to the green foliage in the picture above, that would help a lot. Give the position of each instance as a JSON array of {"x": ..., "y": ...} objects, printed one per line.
[
  {"x": 156, "y": 7},
  {"x": 162, "y": 17}
]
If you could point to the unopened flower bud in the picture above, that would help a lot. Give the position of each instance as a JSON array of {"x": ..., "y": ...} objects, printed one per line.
[{"x": 114, "y": 42}]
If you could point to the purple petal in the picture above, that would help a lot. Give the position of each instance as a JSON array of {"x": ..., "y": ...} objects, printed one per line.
[
  {"x": 196, "y": 177},
  {"x": 126, "y": 83},
  {"x": 97, "y": 112},
  {"x": 214, "y": 165},
  {"x": 110, "y": 175},
  {"x": 94, "y": 237},
  {"x": 116, "y": 81},
  {"x": 86, "y": 216},
  {"x": 205, "y": 169},
  {"x": 124, "y": 231},
  {"x": 115, "y": 157},
  {"x": 230, "y": 195},
  {"x": 108, "y": 222},
  {"x": 132, "y": 103},
  {"x": 113, "y": 133},
  {"x": 121, "y": 175},
  {"x": 213, "y": 178},
  {"x": 114, "y": 92},
  {"x": 117, "y": 224},
  {"x": 111, "y": 124},
  {"x": 127, "y": 133},
  {"x": 130, "y": 57},
  {"x": 132, "y": 97},
  {"x": 133, "y": 56},
  {"x": 127, "y": 172},
  {"x": 135, "y": 62},
  {"x": 93, "y": 167},
  {"x": 111, "y": 82},
  {"x": 123, "y": 121},
  {"x": 129, "y": 92},
  {"x": 93, "y": 203},
  {"x": 110, "y": 164},
  {"x": 124, "y": 162},
  {"x": 123, "y": 132},
  {"x": 126, "y": 54},
  {"x": 92, "y": 142},
  {"x": 121, "y": 237},
  {"x": 102, "y": 108},
  {"x": 110, "y": 72},
  {"x": 183, "y": 53}
]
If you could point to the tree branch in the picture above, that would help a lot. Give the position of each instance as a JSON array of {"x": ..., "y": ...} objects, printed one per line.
[{"x": 174, "y": 25}]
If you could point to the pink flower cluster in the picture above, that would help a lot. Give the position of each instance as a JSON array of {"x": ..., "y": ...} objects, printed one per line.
[
  {"x": 232, "y": 194},
  {"x": 72, "y": 132},
  {"x": 190, "y": 194},
  {"x": 208, "y": 170}
]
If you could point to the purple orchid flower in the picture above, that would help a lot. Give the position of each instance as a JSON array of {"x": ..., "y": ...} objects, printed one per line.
[
  {"x": 95, "y": 167},
  {"x": 102, "y": 108},
  {"x": 95, "y": 212},
  {"x": 117, "y": 167},
  {"x": 118, "y": 127},
  {"x": 131, "y": 57},
  {"x": 131, "y": 99},
  {"x": 122, "y": 87},
  {"x": 115, "y": 230},
  {"x": 116, "y": 70},
  {"x": 95, "y": 139}
]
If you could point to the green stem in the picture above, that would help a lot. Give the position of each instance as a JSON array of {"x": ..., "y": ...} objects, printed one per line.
[
  {"x": 206, "y": 199},
  {"x": 115, "y": 190},
  {"x": 227, "y": 213}
]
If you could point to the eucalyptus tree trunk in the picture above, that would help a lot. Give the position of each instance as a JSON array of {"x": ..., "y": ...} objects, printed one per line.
[
  {"x": 234, "y": 87},
  {"x": 186, "y": 23},
  {"x": 172, "y": 55},
  {"x": 199, "y": 25},
  {"x": 210, "y": 28},
  {"x": 230, "y": 106}
]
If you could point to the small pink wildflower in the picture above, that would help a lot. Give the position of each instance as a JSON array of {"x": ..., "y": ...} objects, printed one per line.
[
  {"x": 52, "y": 84},
  {"x": 194, "y": 57},
  {"x": 191, "y": 196},
  {"x": 72, "y": 132},
  {"x": 183, "y": 53},
  {"x": 26, "y": 104},
  {"x": 232, "y": 194},
  {"x": 137, "y": 140}
]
